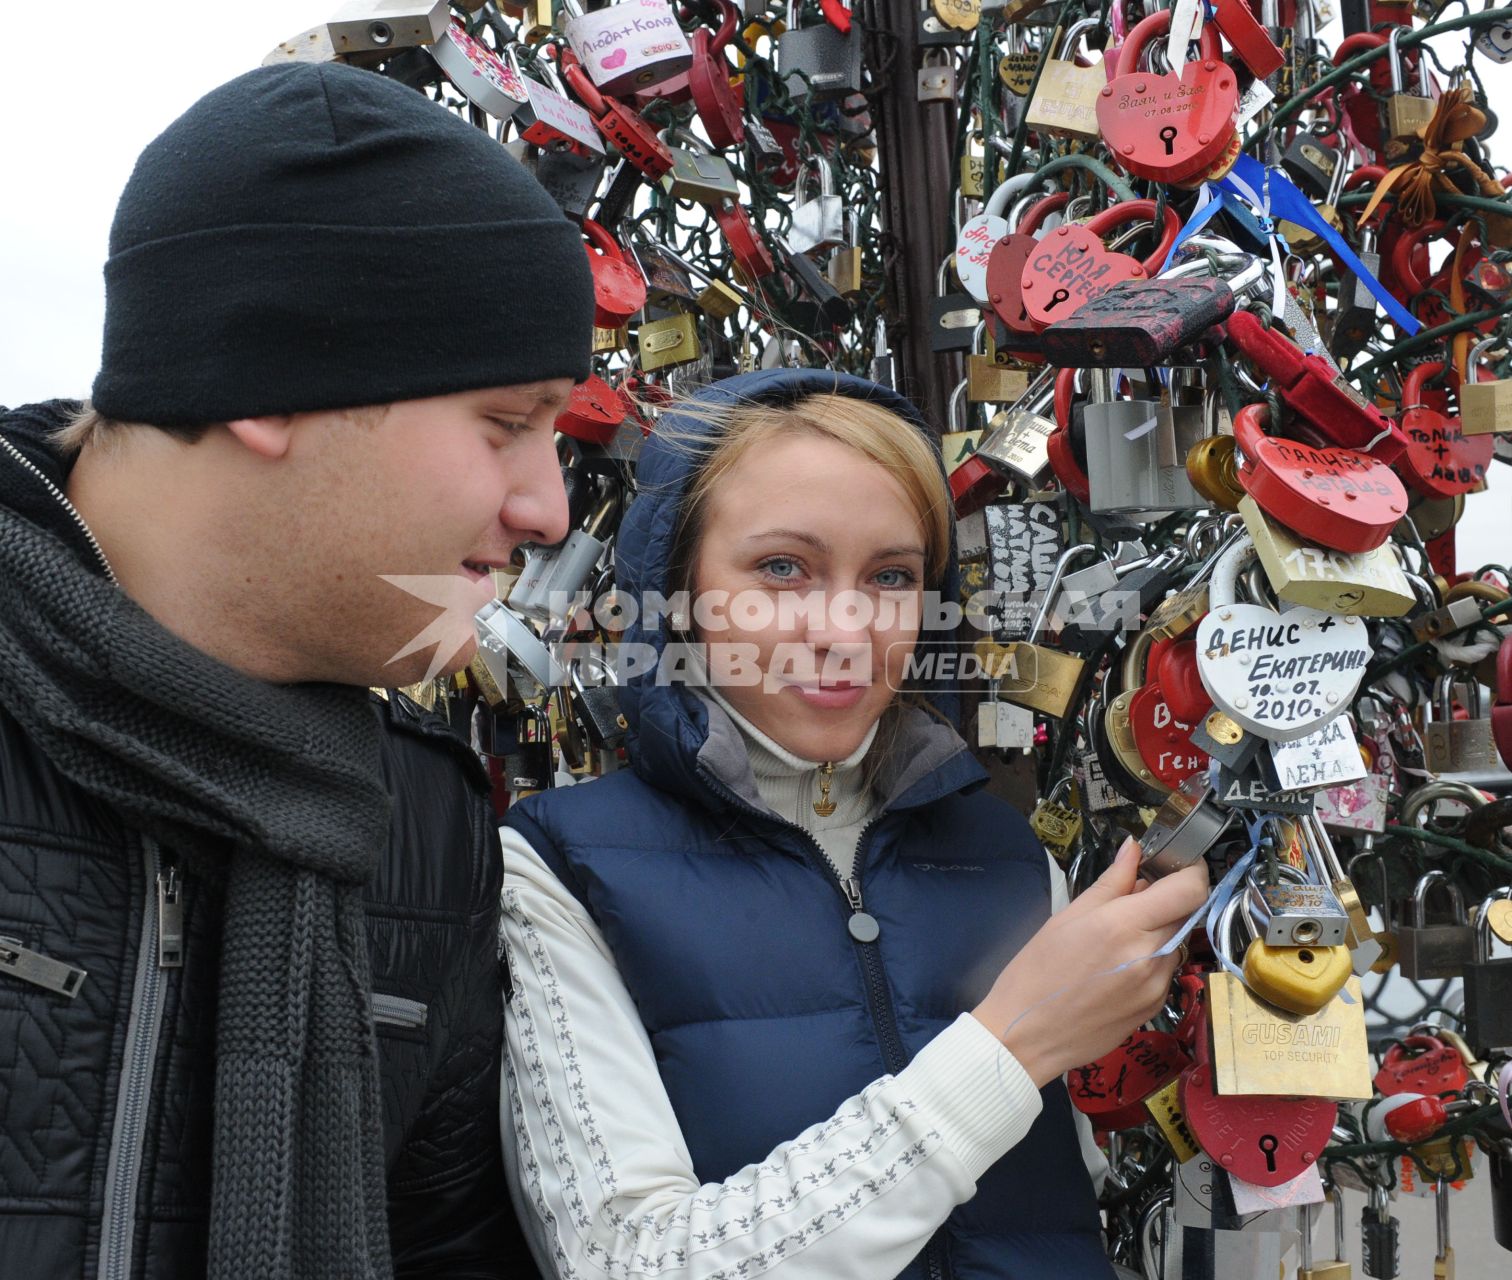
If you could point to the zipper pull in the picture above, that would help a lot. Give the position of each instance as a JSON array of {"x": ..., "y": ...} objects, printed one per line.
[
  {"x": 862, "y": 926},
  {"x": 20, "y": 961},
  {"x": 170, "y": 919}
]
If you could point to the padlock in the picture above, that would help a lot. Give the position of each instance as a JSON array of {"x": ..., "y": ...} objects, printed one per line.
[
  {"x": 1168, "y": 127},
  {"x": 1365, "y": 948},
  {"x": 593, "y": 413},
  {"x": 1440, "y": 460},
  {"x": 1264, "y": 1139},
  {"x": 1111, "y": 1089},
  {"x": 1057, "y": 826},
  {"x": 669, "y": 284},
  {"x": 528, "y": 766},
  {"x": 1017, "y": 440},
  {"x": 619, "y": 289},
  {"x": 1311, "y": 163},
  {"x": 1336, "y": 497},
  {"x": 881, "y": 369},
  {"x": 936, "y": 77},
  {"x": 596, "y": 702},
  {"x": 1064, "y": 104},
  {"x": 1213, "y": 468},
  {"x": 714, "y": 96},
  {"x": 1043, "y": 678},
  {"x": 628, "y": 45},
  {"x": 549, "y": 119},
  {"x": 484, "y": 78},
  {"x": 1443, "y": 1253},
  {"x": 1183, "y": 829},
  {"x": 1380, "y": 1236},
  {"x": 989, "y": 381},
  {"x": 1295, "y": 910},
  {"x": 1299, "y": 979},
  {"x": 1364, "y": 584},
  {"x": 819, "y": 304},
  {"x": 1313, "y": 388},
  {"x": 845, "y": 269},
  {"x": 697, "y": 172},
  {"x": 940, "y": 22},
  {"x": 621, "y": 126},
  {"x": 973, "y": 182},
  {"x": 571, "y": 179},
  {"x": 1501, "y": 713},
  {"x": 1071, "y": 265},
  {"x": 385, "y": 26},
  {"x": 550, "y": 589},
  {"x": 750, "y": 252},
  {"x": 818, "y": 221},
  {"x": 1457, "y": 746},
  {"x": 1279, "y": 675},
  {"x": 1436, "y": 950},
  {"x": 1488, "y": 988},
  {"x": 1137, "y": 324},
  {"x": 953, "y": 315},
  {"x": 1407, "y": 115},
  {"x": 1136, "y": 451},
  {"x": 1421, "y": 1064},
  {"x": 667, "y": 341},
  {"x": 975, "y": 241},
  {"x": 1485, "y": 404},
  {"x": 818, "y": 61},
  {"x": 1354, "y": 320},
  {"x": 1308, "y": 1268},
  {"x": 1162, "y": 737}
]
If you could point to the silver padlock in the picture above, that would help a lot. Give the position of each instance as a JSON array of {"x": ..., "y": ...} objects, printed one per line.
[
  {"x": 1296, "y": 911},
  {"x": 1185, "y": 827},
  {"x": 1018, "y": 439},
  {"x": 550, "y": 587},
  {"x": 937, "y": 77},
  {"x": 818, "y": 220}
]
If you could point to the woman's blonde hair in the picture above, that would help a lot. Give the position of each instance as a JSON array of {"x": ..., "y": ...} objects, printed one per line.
[{"x": 875, "y": 432}]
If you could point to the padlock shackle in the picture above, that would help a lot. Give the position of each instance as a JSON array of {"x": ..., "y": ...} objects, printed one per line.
[
  {"x": 1159, "y": 24},
  {"x": 1223, "y": 586},
  {"x": 1420, "y": 891},
  {"x": 1127, "y": 211},
  {"x": 577, "y": 79},
  {"x": 1412, "y": 384},
  {"x": 601, "y": 240},
  {"x": 1402, "y": 252},
  {"x": 1036, "y": 214},
  {"x": 1052, "y": 589}
]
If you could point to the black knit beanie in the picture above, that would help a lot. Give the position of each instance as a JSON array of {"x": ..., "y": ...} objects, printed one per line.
[{"x": 319, "y": 237}]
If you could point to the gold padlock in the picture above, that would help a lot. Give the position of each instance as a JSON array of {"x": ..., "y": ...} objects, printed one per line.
[
  {"x": 1258, "y": 1049},
  {"x": 1056, "y": 826},
  {"x": 1214, "y": 471},
  {"x": 606, "y": 340},
  {"x": 1485, "y": 407},
  {"x": 1298, "y": 979},
  {"x": 669, "y": 341},
  {"x": 989, "y": 382},
  {"x": 1365, "y": 583},
  {"x": 1065, "y": 100},
  {"x": 719, "y": 300},
  {"x": 844, "y": 271}
]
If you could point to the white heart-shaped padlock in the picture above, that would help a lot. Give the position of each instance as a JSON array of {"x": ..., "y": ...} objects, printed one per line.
[
  {"x": 1281, "y": 675},
  {"x": 978, "y": 234}
]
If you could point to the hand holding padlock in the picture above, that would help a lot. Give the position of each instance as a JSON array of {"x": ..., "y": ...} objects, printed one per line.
[{"x": 1064, "y": 999}]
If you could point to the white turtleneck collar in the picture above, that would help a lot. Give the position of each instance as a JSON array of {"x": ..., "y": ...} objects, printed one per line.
[{"x": 791, "y": 785}]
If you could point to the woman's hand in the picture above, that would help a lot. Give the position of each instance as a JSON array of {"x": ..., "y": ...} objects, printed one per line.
[{"x": 1056, "y": 1005}]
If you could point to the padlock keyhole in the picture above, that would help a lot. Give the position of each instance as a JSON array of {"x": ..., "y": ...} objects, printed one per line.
[
  {"x": 1059, "y": 296},
  {"x": 1268, "y": 1144},
  {"x": 1168, "y": 136},
  {"x": 1305, "y": 956}
]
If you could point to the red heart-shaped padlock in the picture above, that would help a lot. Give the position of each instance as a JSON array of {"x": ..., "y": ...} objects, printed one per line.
[
  {"x": 594, "y": 412},
  {"x": 1440, "y": 459},
  {"x": 1421, "y": 1064},
  {"x": 716, "y": 100},
  {"x": 1261, "y": 1138},
  {"x": 1111, "y": 1089},
  {"x": 1167, "y": 127},
  {"x": 1005, "y": 271},
  {"x": 1163, "y": 741},
  {"x": 1333, "y": 496},
  {"x": 619, "y": 289},
  {"x": 1066, "y": 268},
  {"x": 1180, "y": 679}
]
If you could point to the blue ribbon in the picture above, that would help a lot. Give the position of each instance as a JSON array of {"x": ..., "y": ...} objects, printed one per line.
[{"x": 1288, "y": 202}]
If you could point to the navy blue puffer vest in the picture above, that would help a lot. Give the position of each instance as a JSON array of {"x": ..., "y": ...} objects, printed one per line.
[{"x": 729, "y": 928}]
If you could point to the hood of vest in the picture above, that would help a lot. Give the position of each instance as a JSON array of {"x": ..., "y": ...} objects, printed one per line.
[{"x": 676, "y": 736}]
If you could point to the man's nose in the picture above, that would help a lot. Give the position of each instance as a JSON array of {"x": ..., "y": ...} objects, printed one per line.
[{"x": 535, "y": 509}]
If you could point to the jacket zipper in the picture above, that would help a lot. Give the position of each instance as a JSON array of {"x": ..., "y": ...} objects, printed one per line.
[
  {"x": 161, "y": 916},
  {"x": 864, "y": 931},
  {"x": 67, "y": 506}
]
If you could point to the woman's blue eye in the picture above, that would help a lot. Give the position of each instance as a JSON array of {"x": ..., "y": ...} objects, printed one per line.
[
  {"x": 769, "y": 567},
  {"x": 905, "y": 578}
]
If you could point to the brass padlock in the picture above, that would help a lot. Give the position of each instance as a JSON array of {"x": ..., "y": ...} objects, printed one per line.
[
  {"x": 1065, "y": 100},
  {"x": 1364, "y": 584},
  {"x": 606, "y": 340},
  {"x": 1407, "y": 115},
  {"x": 1214, "y": 471},
  {"x": 1485, "y": 407},
  {"x": 1045, "y": 679},
  {"x": 671, "y": 340}
]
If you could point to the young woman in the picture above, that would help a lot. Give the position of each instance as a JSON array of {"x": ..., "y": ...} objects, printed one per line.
[{"x": 788, "y": 999}]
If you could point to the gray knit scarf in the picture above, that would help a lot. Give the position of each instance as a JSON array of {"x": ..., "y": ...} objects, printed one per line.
[{"x": 277, "y": 790}]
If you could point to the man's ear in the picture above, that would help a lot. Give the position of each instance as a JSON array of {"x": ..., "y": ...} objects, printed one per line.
[{"x": 266, "y": 437}]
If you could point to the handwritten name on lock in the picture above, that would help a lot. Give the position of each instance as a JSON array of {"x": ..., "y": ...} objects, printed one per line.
[
  {"x": 1069, "y": 267},
  {"x": 1281, "y": 675},
  {"x": 630, "y": 43},
  {"x": 1327, "y": 757}
]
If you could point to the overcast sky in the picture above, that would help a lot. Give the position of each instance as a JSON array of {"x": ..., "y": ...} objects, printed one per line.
[{"x": 77, "y": 107}]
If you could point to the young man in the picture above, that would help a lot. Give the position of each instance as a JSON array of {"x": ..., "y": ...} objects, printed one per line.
[{"x": 221, "y": 859}]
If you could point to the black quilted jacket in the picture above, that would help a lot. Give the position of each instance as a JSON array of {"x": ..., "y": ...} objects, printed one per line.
[{"x": 105, "y": 1095}]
